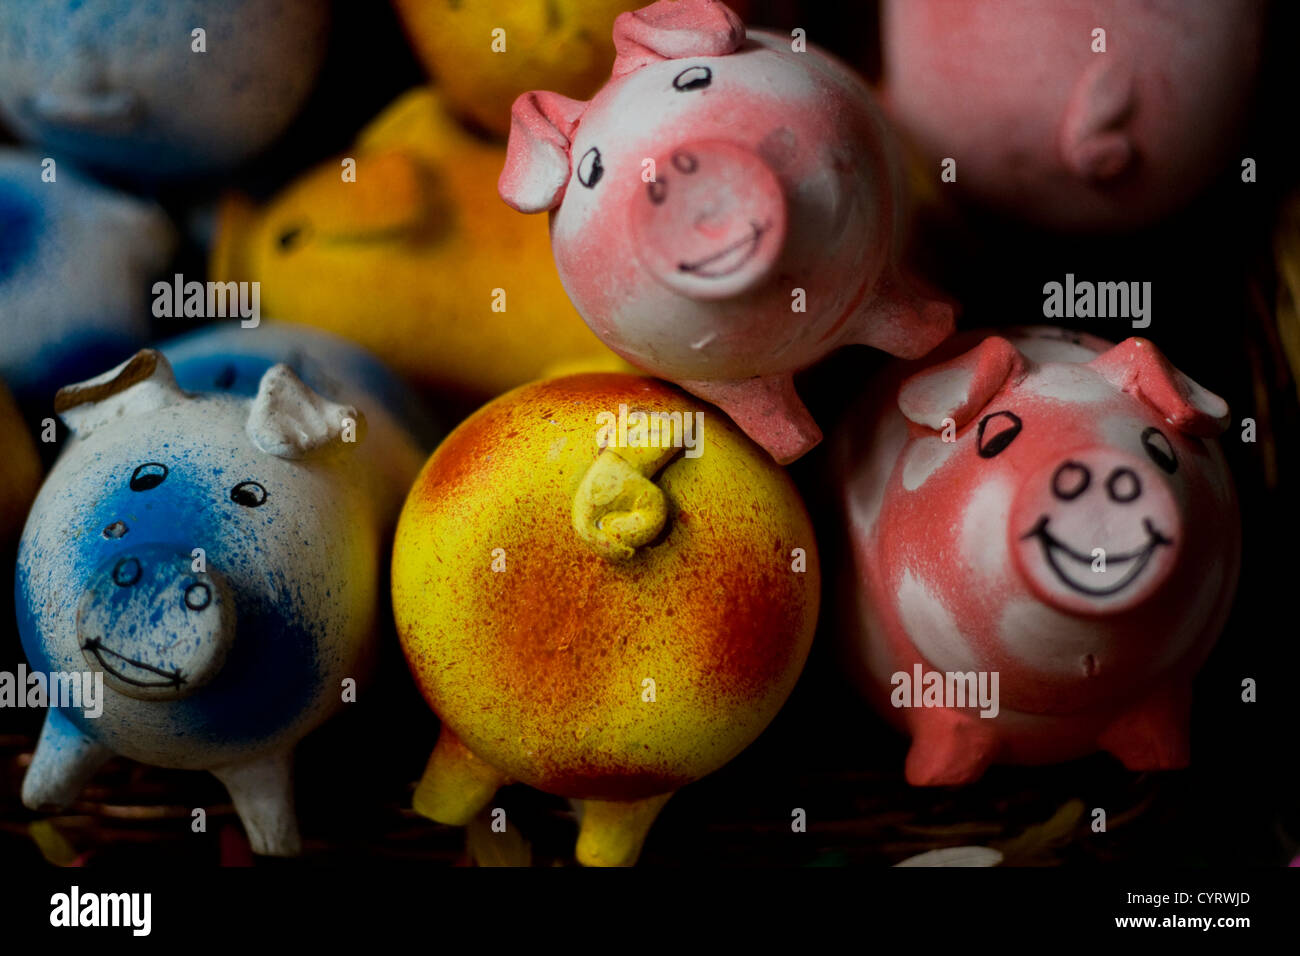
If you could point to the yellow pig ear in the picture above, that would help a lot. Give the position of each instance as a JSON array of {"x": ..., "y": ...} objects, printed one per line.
[{"x": 235, "y": 219}]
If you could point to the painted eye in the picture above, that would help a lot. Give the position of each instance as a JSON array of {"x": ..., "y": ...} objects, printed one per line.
[
  {"x": 693, "y": 78},
  {"x": 148, "y": 476},
  {"x": 293, "y": 237},
  {"x": 590, "y": 168},
  {"x": 126, "y": 572},
  {"x": 658, "y": 191},
  {"x": 1124, "y": 485},
  {"x": 685, "y": 163},
  {"x": 225, "y": 378},
  {"x": 198, "y": 596},
  {"x": 1159, "y": 449},
  {"x": 997, "y": 431},
  {"x": 1071, "y": 480},
  {"x": 249, "y": 494}
]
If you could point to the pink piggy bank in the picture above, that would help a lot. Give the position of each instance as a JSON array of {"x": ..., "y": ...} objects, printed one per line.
[
  {"x": 725, "y": 212},
  {"x": 1074, "y": 114},
  {"x": 1045, "y": 544}
]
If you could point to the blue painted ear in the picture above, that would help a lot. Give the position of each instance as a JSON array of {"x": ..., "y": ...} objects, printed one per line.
[
  {"x": 287, "y": 419},
  {"x": 141, "y": 384}
]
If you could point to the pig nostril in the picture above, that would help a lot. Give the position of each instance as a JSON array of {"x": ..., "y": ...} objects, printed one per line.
[
  {"x": 126, "y": 572},
  {"x": 116, "y": 529},
  {"x": 658, "y": 191},
  {"x": 685, "y": 163},
  {"x": 1071, "y": 480},
  {"x": 198, "y": 596},
  {"x": 1124, "y": 485}
]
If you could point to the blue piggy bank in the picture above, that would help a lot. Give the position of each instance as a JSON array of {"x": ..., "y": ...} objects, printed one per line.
[
  {"x": 132, "y": 87},
  {"x": 203, "y": 562},
  {"x": 75, "y": 265}
]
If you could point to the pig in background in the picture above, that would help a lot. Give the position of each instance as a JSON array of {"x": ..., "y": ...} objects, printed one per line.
[
  {"x": 116, "y": 85},
  {"x": 76, "y": 260},
  {"x": 775, "y": 184},
  {"x": 221, "y": 664},
  {"x": 977, "y": 555},
  {"x": 1045, "y": 129},
  {"x": 406, "y": 260}
]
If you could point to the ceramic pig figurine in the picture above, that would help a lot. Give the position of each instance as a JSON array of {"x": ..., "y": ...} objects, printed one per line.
[
  {"x": 423, "y": 231},
  {"x": 214, "y": 557},
  {"x": 1074, "y": 114},
  {"x": 605, "y": 591},
  {"x": 1050, "y": 516},
  {"x": 562, "y": 45},
  {"x": 76, "y": 261},
  {"x": 128, "y": 87},
  {"x": 725, "y": 212}
]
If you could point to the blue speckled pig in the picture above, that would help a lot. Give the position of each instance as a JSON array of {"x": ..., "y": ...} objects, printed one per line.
[
  {"x": 75, "y": 267},
  {"x": 210, "y": 541},
  {"x": 118, "y": 84}
]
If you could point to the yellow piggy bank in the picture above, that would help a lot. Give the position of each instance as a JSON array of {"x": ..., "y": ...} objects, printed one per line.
[
  {"x": 486, "y": 52},
  {"x": 405, "y": 247}
]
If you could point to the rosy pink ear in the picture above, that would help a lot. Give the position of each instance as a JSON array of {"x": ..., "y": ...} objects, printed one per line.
[
  {"x": 960, "y": 388},
  {"x": 537, "y": 156},
  {"x": 1136, "y": 366},
  {"x": 673, "y": 30}
]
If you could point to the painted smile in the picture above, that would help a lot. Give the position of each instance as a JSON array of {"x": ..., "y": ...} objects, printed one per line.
[
  {"x": 107, "y": 111},
  {"x": 730, "y": 260},
  {"x": 136, "y": 673},
  {"x": 1066, "y": 563}
]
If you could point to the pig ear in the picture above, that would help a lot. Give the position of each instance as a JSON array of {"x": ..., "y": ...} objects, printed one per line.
[
  {"x": 1136, "y": 366},
  {"x": 537, "y": 155},
  {"x": 674, "y": 30},
  {"x": 142, "y": 383},
  {"x": 960, "y": 388},
  {"x": 289, "y": 420}
]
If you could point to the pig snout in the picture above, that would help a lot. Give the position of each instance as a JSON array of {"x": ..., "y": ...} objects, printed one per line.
[
  {"x": 155, "y": 627},
  {"x": 712, "y": 224},
  {"x": 1095, "y": 531}
]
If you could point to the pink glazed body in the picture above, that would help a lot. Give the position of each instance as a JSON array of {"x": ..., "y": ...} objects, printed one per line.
[
  {"x": 981, "y": 553},
  {"x": 725, "y": 212},
  {"x": 1044, "y": 128}
]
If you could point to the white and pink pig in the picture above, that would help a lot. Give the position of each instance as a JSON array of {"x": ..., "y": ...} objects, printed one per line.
[
  {"x": 1074, "y": 114},
  {"x": 725, "y": 212},
  {"x": 1048, "y": 516}
]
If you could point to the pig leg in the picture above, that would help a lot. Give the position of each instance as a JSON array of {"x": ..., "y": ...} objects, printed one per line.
[
  {"x": 904, "y": 320},
  {"x": 456, "y": 784},
  {"x": 613, "y": 831},
  {"x": 1153, "y": 735},
  {"x": 949, "y": 748},
  {"x": 768, "y": 410},
  {"x": 262, "y": 791},
  {"x": 64, "y": 762}
]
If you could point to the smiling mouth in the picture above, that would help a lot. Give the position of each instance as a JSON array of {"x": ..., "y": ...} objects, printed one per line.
[
  {"x": 730, "y": 260},
  {"x": 1062, "y": 559},
  {"x": 161, "y": 677},
  {"x": 105, "y": 111}
]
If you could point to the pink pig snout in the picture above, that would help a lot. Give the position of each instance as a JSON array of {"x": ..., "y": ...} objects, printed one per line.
[
  {"x": 1095, "y": 531},
  {"x": 713, "y": 222}
]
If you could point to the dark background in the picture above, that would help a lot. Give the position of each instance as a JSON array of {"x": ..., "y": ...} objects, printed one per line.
[{"x": 827, "y": 752}]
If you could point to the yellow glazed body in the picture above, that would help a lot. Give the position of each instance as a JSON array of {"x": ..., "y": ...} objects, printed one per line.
[
  {"x": 561, "y": 45},
  {"x": 415, "y": 259},
  {"x": 613, "y": 679}
]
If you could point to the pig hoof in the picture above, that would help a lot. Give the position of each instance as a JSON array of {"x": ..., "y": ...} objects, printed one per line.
[
  {"x": 613, "y": 831},
  {"x": 456, "y": 784}
]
